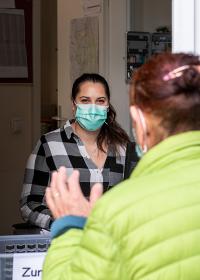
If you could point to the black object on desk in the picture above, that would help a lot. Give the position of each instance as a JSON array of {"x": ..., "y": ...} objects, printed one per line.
[{"x": 25, "y": 228}]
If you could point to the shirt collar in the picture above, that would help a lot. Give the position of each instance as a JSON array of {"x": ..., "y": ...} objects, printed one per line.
[{"x": 68, "y": 129}]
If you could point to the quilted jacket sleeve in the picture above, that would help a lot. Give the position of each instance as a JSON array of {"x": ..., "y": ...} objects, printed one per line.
[{"x": 83, "y": 254}]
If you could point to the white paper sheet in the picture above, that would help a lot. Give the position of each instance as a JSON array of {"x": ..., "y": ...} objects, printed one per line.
[
  {"x": 28, "y": 265},
  {"x": 91, "y": 7}
]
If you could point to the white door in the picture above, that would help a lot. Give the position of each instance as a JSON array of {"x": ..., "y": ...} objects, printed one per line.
[{"x": 186, "y": 26}]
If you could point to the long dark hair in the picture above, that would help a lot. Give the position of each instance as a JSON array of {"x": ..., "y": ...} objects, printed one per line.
[{"x": 111, "y": 132}]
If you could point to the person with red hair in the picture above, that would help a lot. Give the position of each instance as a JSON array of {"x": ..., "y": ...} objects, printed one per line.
[{"x": 147, "y": 227}]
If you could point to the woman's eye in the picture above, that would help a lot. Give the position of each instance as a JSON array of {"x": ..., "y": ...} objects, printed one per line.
[
  {"x": 101, "y": 101},
  {"x": 84, "y": 101}
]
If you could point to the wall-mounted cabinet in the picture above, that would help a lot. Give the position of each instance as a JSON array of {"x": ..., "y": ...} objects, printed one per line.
[{"x": 141, "y": 45}]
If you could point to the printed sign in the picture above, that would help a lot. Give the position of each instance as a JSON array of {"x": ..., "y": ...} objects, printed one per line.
[{"x": 28, "y": 266}]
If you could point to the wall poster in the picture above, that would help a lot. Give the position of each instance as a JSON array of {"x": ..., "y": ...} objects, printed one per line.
[{"x": 84, "y": 46}]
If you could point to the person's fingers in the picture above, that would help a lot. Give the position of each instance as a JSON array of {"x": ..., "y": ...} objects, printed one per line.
[
  {"x": 50, "y": 203},
  {"x": 63, "y": 171},
  {"x": 53, "y": 180},
  {"x": 58, "y": 191},
  {"x": 96, "y": 193},
  {"x": 74, "y": 185},
  {"x": 61, "y": 183}
]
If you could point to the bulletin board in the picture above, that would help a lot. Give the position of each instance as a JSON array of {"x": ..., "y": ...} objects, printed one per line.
[
  {"x": 84, "y": 46},
  {"x": 23, "y": 8}
]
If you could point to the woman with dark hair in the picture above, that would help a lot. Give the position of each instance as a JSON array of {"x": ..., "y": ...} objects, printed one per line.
[
  {"x": 107, "y": 132},
  {"x": 148, "y": 226},
  {"x": 93, "y": 142}
]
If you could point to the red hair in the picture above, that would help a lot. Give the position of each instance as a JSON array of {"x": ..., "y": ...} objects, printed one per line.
[{"x": 175, "y": 101}]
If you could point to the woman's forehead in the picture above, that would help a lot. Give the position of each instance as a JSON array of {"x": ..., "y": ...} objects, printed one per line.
[{"x": 91, "y": 89}]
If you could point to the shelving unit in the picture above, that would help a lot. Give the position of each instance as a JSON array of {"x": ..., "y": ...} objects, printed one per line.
[
  {"x": 137, "y": 51},
  {"x": 161, "y": 42},
  {"x": 141, "y": 45}
]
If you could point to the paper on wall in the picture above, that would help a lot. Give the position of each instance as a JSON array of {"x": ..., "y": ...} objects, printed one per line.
[{"x": 91, "y": 7}]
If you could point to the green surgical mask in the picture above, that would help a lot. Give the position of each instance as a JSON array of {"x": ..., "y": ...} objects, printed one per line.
[
  {"x": 91, "y": 116},
  {"x": 139, "y": 150}
]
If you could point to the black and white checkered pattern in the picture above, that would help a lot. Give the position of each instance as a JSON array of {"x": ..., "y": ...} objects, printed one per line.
[{"x": 62, "y": 147}]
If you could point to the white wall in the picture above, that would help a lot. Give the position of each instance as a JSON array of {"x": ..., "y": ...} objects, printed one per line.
[
  {"x": 150, "y": 14},
  {"x": 116, "y": 71},
  {"x": 66, "y": 10},
  {"x": 156, "y": 13}
]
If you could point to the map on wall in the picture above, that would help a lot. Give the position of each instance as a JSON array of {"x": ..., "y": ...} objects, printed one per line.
[{"x": 84, "y": 46}]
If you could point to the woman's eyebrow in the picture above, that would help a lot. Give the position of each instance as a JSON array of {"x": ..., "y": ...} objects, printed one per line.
[{"x": 101, "y": 97}]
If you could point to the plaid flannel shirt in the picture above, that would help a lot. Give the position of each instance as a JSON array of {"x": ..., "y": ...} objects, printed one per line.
[{"x": 62, "y": 147}]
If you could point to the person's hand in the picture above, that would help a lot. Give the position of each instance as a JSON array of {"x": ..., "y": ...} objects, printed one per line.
[{"x": 64, "y": 196}]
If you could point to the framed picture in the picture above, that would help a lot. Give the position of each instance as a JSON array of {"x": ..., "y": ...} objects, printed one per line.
[{"x": 16, "y": 43}]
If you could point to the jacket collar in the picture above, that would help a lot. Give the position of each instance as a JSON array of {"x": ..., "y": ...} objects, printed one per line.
[{"x": 177, "y": 148}]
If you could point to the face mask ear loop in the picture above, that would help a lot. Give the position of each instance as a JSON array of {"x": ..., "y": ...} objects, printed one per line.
[
  {"x": 143, "y": 122},
  {"x": 74, "y": 113},
  {"x": 107, "y": 112}
]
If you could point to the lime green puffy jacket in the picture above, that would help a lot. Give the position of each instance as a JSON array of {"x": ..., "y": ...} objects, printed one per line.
[{"x": 146, "y": 228}]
